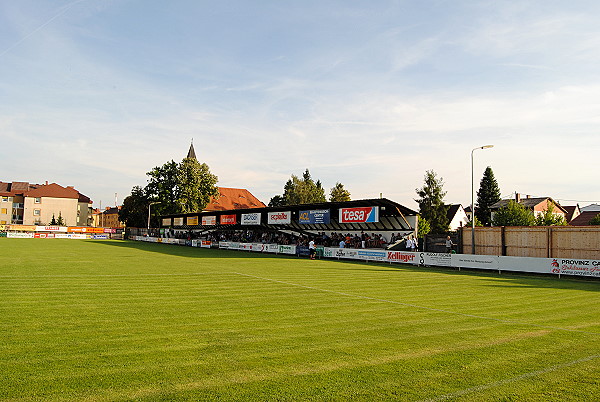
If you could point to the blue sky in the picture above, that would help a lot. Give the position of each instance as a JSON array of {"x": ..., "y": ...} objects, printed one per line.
[{"x": 371, "y": 94}]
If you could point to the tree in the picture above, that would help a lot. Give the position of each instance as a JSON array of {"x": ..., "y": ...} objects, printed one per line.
[
  {"x": 423, "y": 227},
  {"x": 194, "y": 187},
  {"x": 60, "y": 221},
  {"x": 513, "y": 214},
  {"x": 53, "y": 221},
  {"x": 134, "y": 212},
  {"x": 431, "y": 203},
  {"x": 277, "y": 201},
  {"x": 477, "y": 223},
  {"x": 339, "y": 193},
  {"x": 487, "y": 195},
  {"x": 162, "y": 188},
  {"x": 303, "y": 191},
  {"x": 595, "y": 220},
  {"x": 549, "y": 218}
]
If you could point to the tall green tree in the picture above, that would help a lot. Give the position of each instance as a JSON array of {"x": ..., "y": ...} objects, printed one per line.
[
  {"x": 339, "y": 193},
  {"x": 277, "y": 201},
  {"x": 549, "y": 218},
  {"x": 162, "y": 187},
  {"x": 487, "y": 195},
  {"x": 513, "y": 214},
  {"x": 194, "y": 187},
  {"x": 423, "y": 227},
  {"x": 303, "y": 190},
  {"x": 134, "y": 212},
  {"x": 431, "y": 202}
]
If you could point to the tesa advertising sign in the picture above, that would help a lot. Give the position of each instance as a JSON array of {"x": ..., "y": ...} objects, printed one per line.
[
  {"x": 359, "y": 215},
  {"x": 228, "y": 220},
  {"x": 279, "y": 218}
]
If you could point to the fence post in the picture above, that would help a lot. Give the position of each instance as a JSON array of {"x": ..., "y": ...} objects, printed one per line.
[{"x": 503, "y": 240}]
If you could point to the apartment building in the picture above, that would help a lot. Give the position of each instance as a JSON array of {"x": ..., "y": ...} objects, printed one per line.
[{"x": 35, "y": 204}]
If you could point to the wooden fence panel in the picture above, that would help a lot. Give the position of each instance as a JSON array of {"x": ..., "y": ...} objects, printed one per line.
[{"x": 536, "y": 241}]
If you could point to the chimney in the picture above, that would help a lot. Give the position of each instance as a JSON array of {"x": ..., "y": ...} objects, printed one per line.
[
  {"x": 527, "y": 196},
  {"x": 517, "y": 197},
  {"x": 46, "y": 182}
]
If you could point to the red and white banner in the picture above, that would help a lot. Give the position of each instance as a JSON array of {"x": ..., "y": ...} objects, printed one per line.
[
  {"x": 209, "y": 220},
  {"x": 279, "y": 218},
  {"x": 228, "y": 220},
  {"x": 51, "y": 229},
  {"x": 359, "y": 215}
]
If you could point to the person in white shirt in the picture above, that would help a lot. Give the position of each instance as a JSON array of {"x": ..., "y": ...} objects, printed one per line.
[
  {"x": 342, "y": 244},
  {"x": 312, "y": 249}
]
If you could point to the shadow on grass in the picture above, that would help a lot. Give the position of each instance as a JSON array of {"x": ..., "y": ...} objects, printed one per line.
[{"x": 504, "y": 280}]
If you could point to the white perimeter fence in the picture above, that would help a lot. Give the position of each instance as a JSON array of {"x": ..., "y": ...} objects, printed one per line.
[{"x": 552, "y": 266}]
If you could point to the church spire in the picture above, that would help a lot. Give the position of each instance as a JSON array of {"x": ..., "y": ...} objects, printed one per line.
[{"x": 191, "y": 152}]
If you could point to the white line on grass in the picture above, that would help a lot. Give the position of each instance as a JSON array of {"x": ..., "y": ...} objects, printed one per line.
[
  {"x": 420, "y": 307},
  {"x": 110, "y": 275},
  {"x": 485, "y": 387}
]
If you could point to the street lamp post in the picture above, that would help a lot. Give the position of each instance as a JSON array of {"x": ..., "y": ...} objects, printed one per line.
[
  {"x": 149, "y": 205},
  {"x": 473, "y": 198}
]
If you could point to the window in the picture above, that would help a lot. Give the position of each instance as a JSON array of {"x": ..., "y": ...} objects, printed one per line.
[
  {"x": 38, "y": 200},
  {"x": 4, "y": 199},
  {"x": 2, "y": 222},
  {"x": 3, "y": 211},
  {"x": 37, "y": 212}
]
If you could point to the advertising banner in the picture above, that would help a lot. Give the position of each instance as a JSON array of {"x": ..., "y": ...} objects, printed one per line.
[
  {"x": 259, "y": 247},
  {"x": 100, "y": 237},
  {"x": 251, "y": 219},
  {"x": 20, "y": 235},
  {"x": 435, "y": 259},
  {"x": 279, "y": 218},
  {"x": 405, "y": 257},
  {"x": 359, "y": 215},
  {"x": 192, "y": 221},
  {"x": 228, "y": 220},
  {"x": 474, "y": 261},
  {"x": 166, "y": 221},
  {"x": 23, "y": 228},
  {"x": 224, "y": 244},
  {"x": 569, "y": 266},
  {"x": 81, "y": 229},
  {"x": 205, "y": 244},
  {"x": 314, "y": 216},
  {"x": 272, "y": 248},
  {"x": 372, "y": 255},
  {"x": 51, "y": 229},
  {"x": 113, "y": 230},
  {"x": 209, "y": 220},
  {"x": 340, "y": 252},
  {"x": 284, "y": 249},
  {"x": 178, "y": 221},
  {"x": 43, "y": 235}
]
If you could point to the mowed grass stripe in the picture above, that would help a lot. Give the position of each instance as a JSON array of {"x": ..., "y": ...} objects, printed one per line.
[{"x": 239, "y": 339}]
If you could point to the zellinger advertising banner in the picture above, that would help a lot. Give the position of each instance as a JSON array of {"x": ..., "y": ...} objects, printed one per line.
[
  {"x": 228, "y": 220},
  {"x": 192, "y": 220},
  {"x": 251, "y": 219},
  {"x": 314, "y": 216},
  {"x": 209, "y": 220},
  {"x": 279, "y": 218},
  {"x": 359, "y": 215}
]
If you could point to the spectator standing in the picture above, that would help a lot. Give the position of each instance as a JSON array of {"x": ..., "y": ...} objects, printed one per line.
[
  {"x": 449, "y": 245},
  {"x": 312, "y": 250}
]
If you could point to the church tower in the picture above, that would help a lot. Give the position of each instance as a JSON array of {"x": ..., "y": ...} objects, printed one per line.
[{"x": 191, "y": 152}]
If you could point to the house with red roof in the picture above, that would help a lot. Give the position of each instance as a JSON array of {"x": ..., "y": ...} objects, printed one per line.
[{"x": 35, "y": 204}]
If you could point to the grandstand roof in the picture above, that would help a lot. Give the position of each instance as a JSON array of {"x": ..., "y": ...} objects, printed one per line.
[{"x": 391, "y": 217}]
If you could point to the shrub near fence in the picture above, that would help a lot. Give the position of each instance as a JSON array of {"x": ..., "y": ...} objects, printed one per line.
[{"x": 535, "y": 241}]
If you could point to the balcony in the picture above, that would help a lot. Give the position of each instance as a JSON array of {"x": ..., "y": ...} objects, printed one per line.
[{"x": 17, "y": 205}]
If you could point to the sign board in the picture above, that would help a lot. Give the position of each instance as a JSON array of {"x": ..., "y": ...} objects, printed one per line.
[
  {"x": 192, "y": 221},
  {"x": 209, "y": 220},
  {"x": 51, "y": 229},
  {"x": 228, "y": 220},
  {"x": 251, "y": 219},
  {"x": 279, "y": 218},
  {"x": 359, "y": 215},
  {"x": 166, "y": 221},
  {"x": 314, "y": 216},
  {"x": 178, "y": 221}
]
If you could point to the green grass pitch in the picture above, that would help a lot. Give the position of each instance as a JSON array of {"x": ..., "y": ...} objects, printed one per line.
[{"x": 112, "y": 321}]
